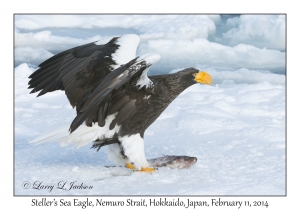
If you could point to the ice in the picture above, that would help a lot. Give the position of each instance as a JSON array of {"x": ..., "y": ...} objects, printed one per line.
[
  {"x": 235, "y": 129},
  {"x": 254, "y": 41}
]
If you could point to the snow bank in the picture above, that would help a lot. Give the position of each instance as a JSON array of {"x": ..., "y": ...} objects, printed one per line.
[
  {"x": 259, "y": 30},
  {"x": 253, "y": 41}
]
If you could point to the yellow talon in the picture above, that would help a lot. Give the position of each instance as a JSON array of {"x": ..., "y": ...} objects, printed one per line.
[
  {"x": 148, "y": 170},
  {"x": 129, "y": 165}
]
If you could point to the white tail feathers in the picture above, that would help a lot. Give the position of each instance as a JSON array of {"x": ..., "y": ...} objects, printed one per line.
[{"x": 82, "y": 136}]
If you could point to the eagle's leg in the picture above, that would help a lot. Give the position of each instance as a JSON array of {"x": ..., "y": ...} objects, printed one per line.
[
  {"x": 129, "y": 151},
  {"x": 132, "y": 147}
]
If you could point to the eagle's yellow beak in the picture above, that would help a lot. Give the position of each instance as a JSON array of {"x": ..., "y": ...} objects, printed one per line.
[{"x": 203, "y": 78}]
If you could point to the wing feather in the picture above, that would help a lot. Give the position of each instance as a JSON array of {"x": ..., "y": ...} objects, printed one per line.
[
  {"x": 80, "y": 69},
  {"x": 85, "y": 73},
  {"x": 116, "y": 105},
  {"x": 101, "y": 117},
  {"x": 127, "y": 111}
]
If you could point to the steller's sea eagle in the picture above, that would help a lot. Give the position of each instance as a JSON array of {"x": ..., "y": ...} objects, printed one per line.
[{"x": 109, "y": 86}]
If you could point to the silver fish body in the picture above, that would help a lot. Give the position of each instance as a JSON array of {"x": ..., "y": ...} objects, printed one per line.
[{"x": 172, "y": 161}]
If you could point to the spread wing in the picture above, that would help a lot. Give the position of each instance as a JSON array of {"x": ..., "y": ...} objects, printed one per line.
[
  {"x": 80, "y": 70},
  {"x": 117, "y": 93},
  {"x": 100, "y": 80}
]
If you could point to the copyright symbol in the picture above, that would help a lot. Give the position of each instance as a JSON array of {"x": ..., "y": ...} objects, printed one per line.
[{"x": 26, "y": 185}]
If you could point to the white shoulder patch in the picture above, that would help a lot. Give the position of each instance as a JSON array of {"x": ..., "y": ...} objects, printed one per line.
[{"x": 149, "y": 58}]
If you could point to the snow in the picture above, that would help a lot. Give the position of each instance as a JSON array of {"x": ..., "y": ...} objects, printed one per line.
[
  {"x": 253, "y": 42},
  {"x": 236, "y": 128},
  {"x": 236, "y": 131},
  {"x": 261, "y": 30},
  {"x": 23, "y": 54}
]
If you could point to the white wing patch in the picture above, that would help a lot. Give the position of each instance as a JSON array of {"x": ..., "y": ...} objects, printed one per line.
[
  {"x": 144, "y": 80},
  {"x": 127, "y": 50},
  {"x": 149, "y": 58}
]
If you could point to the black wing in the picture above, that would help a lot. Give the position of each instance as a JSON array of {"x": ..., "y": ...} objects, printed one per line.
[
  {"x": 113, "y": 95},
  {"x": 85, "y": 73},
  {"x": 77, "y": 71}
]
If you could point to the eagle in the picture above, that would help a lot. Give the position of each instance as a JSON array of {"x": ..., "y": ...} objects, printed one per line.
[{"x": 115, "y": 100}]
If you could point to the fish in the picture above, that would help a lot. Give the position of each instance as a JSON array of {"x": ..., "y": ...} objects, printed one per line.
[
  {"x": 169, "y": 161},
  {"x": 172, "y": 161}
]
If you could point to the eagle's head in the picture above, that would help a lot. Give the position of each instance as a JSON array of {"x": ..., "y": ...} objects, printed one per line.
[{"x": 190, "y": 76}]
